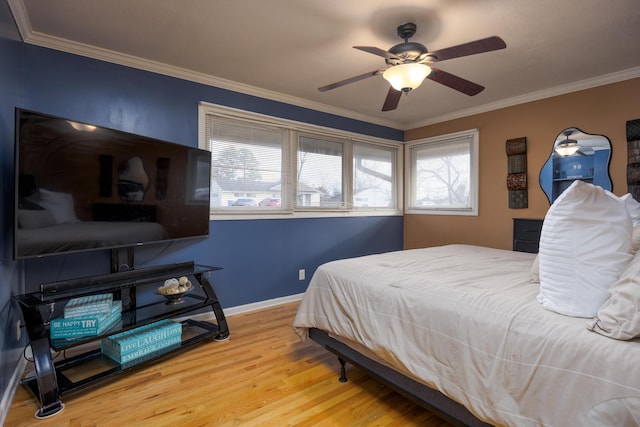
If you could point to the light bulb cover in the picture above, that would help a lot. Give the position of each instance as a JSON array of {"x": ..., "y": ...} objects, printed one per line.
[
  {"x": 406, "y": 77},
  {"x": 567, "y": 148}
]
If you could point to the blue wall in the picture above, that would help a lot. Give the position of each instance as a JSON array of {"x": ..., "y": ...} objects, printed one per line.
[
  {"x": 260, "y": 258},
  {"x": 11, "y": 84}
]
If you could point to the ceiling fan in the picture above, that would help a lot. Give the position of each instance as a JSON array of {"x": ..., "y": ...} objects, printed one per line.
[
  {"x": 568, "y": 147},
  {"x": 409, "y": 63}
]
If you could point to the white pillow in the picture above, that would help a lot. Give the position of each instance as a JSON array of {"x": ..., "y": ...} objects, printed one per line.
[
  {"x": 59, "y": 204},
  {"x": 535, "y": 270},
  {"x": 635, "y": 239},
  {"x": 619, "y": 316},
  {"x": 633, "y": 207},
  {"x": 585, "y": 245}
]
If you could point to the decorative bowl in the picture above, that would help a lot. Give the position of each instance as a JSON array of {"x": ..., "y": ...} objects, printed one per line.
[
  {"x": 174, "y": 298},
  {"x": 173, "y": 290}
]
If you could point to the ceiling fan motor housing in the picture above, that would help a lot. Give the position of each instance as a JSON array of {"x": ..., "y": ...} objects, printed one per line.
[{"x": 406, "y": 52}]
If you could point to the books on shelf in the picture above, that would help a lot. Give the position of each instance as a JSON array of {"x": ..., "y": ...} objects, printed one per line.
[
  {"x": 88, "y": 305},
  {"x": 143, "y": 341},
  {"x": 150, "y": 351},
  {"x": 150, "y": 356},
  {"x": 86, "y": 326}
]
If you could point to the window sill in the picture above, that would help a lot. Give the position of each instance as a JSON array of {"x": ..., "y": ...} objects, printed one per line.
[
  {"x": 457, "y": 212},
  {"x": 294, "y": 215}
]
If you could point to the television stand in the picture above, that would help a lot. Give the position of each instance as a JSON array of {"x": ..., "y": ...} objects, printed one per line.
[{"x": 53, "y": 380}]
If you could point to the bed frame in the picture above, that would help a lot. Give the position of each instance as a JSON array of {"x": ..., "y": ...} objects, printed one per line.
[
  {"x": 428, "y": 398},
  {"x": 433, "y": 400}
]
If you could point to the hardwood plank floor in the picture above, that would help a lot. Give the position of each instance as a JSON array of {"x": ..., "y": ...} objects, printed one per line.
[{"x": 262, "y": 376}]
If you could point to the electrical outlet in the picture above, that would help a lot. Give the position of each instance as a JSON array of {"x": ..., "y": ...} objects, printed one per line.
[
  {"x": 301, "y": 274},
  {"x": 18, "y": 330}
]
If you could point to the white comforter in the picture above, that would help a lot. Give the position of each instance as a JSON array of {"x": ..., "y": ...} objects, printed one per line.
[{"x": 465, "y": 321}]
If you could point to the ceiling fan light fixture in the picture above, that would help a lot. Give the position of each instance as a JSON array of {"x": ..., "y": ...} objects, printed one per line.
[
  {"x": 406, "y": 77},
  {"x": 567, "y": 148}
]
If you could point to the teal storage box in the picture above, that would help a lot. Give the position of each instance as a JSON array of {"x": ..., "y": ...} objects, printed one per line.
[{"x": 145, "y": 340}]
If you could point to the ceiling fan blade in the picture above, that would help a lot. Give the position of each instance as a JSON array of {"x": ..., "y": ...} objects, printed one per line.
[
  {"x": 392, "y": 99},
  {"x": 349, "y": 80},
  {"x": 455, "y": 82},
  {"x": 376, "y": 51},
  {"x": 479, "y": 46}
]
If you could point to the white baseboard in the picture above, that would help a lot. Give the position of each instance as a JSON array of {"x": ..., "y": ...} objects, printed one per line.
[
  {"x": 246, "y": 308},
  {"x": 9, "y": 393}
]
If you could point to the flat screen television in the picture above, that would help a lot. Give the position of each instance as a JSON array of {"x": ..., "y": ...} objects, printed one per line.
[{"x": 80, "y": 187}]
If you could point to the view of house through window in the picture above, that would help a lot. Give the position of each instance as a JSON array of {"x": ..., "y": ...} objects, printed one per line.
[
  {"x": 319, "y": 173},
  {"x": 266, "y": 165},
  {"x": 246, "y": 166}
]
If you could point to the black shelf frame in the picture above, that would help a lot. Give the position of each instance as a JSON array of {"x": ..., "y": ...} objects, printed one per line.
[{"x": 50, "y": 383}]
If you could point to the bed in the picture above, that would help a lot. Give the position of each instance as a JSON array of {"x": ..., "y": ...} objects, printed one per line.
[{"x": 464, "y": 329}]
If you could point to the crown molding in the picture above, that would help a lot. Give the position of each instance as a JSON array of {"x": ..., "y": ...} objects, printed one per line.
[
  {"x": 619, "y": 76},
  {"x": 44, "y": 40},
  {"x": 39, "y": 39}
]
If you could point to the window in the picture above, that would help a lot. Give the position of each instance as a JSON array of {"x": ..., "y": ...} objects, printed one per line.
[
  {"x": 374, "y": 168},
  {"x": 264, "y": 165},
  {"x": 442, "y": 174},
  {"x": 246, "y": 163},
  {"x": 320, "y": 173}
]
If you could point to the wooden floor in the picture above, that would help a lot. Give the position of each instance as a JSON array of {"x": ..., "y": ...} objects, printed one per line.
[{"x": 262, "y": 376}]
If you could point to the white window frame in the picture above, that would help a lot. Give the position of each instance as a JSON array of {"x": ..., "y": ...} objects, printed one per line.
[
  {"x": 411, "y": 207},
  {"x": 398, "y": 193},
  {"x": 346, "y": 194},
  {"x": 295, "y": 128}
]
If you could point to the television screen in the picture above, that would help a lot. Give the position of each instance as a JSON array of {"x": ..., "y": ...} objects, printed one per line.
[{"x": 81, "y": 187}]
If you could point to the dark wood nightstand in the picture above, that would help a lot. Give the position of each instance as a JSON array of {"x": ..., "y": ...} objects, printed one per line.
[{"x": 526, "y": 234}]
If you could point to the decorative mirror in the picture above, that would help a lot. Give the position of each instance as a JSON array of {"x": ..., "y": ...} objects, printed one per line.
[{"x": 576, "y": 155}]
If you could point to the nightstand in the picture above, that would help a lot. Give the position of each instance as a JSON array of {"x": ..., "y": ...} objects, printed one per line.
[{"x": 526, "y": 234}]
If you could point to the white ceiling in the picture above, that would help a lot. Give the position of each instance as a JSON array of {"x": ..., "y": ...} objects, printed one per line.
[{"x": 286, "y": 49}]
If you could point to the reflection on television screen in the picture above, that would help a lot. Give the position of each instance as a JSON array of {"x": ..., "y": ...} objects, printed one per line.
[{"x": 85, "y": 187}]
